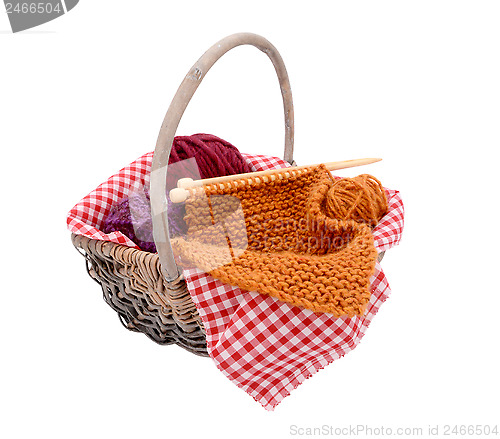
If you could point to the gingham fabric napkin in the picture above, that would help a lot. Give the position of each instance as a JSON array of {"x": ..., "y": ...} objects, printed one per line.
[{"x": 264, "y": 346}]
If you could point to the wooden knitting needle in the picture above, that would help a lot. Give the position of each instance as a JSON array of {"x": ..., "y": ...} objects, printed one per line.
[{"x": 180, "y": 193}]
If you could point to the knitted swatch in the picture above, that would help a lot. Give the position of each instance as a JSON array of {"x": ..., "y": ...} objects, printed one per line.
[{"x": 277, "y": 238}]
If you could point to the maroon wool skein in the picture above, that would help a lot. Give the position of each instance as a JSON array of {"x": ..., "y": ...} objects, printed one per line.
[{"x": 214, "y": 157}]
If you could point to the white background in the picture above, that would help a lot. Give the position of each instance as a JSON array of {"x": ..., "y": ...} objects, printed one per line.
[{"x": 417, "y": 83}]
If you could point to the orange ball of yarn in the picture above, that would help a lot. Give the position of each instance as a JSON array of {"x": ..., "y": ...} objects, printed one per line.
[{"x": 361, "y": 198}]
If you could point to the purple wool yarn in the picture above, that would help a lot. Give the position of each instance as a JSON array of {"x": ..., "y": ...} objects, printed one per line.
[
  {"x": 132, "y": 217},
  {"x": 214, "y": 158}
]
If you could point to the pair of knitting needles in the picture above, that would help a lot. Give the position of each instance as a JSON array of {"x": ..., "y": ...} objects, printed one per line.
[{"x": 181, "y": 193}]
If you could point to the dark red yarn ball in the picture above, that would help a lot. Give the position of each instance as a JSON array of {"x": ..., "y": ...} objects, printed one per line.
[{"x": 214, "y": 157}]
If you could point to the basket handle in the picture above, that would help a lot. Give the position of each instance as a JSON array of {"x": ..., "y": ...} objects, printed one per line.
[{"x": 169, "y": 127}]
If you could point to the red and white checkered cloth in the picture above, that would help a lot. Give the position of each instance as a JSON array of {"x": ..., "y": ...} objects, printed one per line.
[{"x": 264, "y": 346}]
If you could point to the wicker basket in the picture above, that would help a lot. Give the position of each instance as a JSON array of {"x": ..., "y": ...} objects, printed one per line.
[{"x": 147, "y": 290}]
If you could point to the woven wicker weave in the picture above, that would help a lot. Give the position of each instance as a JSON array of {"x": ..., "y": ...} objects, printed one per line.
[
  {"x": 147, "y": 290},
  {"x": 133, "y": 286}
]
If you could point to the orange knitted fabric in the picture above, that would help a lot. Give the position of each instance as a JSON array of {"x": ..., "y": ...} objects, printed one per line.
[{"x": 276, "y": 238}]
